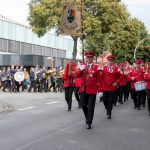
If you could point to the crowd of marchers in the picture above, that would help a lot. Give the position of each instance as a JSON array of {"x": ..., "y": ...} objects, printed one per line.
[{"x": 113, "y": 83}]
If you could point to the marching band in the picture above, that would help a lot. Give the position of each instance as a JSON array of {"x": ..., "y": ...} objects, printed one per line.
[
  {"x": 15, "y": 78},
  {"x": 111, "y": 83}
]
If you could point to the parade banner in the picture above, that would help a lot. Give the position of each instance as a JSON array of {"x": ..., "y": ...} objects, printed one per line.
[{"x": 71, "y": 20}]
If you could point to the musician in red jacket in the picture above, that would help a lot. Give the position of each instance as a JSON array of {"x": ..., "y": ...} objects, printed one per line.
[
  {"x": 136, "y": 75},
  {"x": 147, "y": 80},
  {"x": 69, "y": 82},
  {"x": 143, "y": 98},
  {"x": 123, "y": 83},
  {"x": 88, "y": 90},
  {"x": 111, "y": 79}
]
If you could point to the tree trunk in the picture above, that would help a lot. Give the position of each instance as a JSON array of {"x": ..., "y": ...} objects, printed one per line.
[
  {"x": 96, "y": 59},
  {"x": 74, "y": 54}
]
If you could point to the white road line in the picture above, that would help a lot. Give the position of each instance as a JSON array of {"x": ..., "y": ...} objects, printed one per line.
[
  {"x": 26, "y": 108},
  {"x": 52, "y": 102}
]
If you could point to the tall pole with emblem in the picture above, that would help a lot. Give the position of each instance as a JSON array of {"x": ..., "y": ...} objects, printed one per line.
[
  {"x": 71, "y": 22},
  {"x": 82, "y": 31}
]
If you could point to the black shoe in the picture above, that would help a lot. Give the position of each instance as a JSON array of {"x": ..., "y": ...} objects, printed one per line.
[
  {"x": 138, "y": 108},
  {"x": 134, "y": 107},
  {"x": 121, "y": 102},
  {"x": 88, "y": 126},
  {"x": 114, "y": 104},
  {"x": 69, "y": 109},
  {"x": 143, "y": 105},
  {"x": 79, "y": 106},
  {"x": 109, "y": 117},
  {"x": 86, "y": 122}
]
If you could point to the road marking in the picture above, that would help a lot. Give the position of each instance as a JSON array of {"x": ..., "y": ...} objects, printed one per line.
[
  {"x": 52, "y": 102},
  {"x": 26, "y": 108}
]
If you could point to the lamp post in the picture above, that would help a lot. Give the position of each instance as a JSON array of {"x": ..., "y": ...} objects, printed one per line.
[{"x": 135, "y": 50}]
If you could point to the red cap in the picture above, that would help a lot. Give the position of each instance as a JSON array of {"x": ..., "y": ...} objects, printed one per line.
[
  {"x": 110, "y": 57},
  {"x": 122, "y": 64},
  {"x": 141, "y": 60},
  {"x": 89, "y": 53},
  {"x": 138, "y": 61}
]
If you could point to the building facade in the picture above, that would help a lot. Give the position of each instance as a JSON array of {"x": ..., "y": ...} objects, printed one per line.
[{"x": 20, "y": 46}]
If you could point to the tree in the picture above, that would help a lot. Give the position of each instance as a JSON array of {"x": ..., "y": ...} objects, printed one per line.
[
  {"x": 107, "y": 25},
  {"x": 111, "y": 17},
  {"x": 118, "y": 32},
  {"x": 45, "y": 15}
]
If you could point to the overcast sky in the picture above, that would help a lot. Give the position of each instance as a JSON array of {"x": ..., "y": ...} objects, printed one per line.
[{"x": 17, "y": 10}]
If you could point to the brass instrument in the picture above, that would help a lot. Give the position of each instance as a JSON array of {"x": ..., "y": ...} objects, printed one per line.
[{"x": 60, "y": 74}]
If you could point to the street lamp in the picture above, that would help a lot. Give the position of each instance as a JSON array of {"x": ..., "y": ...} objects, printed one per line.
[{"x": 135, "y": 50}]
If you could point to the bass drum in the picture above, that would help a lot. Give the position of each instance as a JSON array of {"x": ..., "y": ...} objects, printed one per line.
[{"x": 19, "y": 76}]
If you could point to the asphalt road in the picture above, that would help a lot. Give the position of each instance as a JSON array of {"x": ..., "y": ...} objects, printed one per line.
[{"x": 41, "y": 121}]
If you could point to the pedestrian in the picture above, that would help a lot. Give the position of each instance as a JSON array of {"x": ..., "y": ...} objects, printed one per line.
[
  {"x": 147, "y": 80},
  {"x": 111, "y": 78},
  {"x": 68, "y": 77},
  {"x": 88, "y": 89},
  {"x": 136, "y": 75}
]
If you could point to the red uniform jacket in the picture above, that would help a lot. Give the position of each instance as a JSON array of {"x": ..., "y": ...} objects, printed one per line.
[
  {"x": 147, "y": 79},
  {"x": 100, "y": 81},
  {"x": 135, "y": 76},
  {"x": 68, "y": 79},
  {"x": 89, "y": 79},
  {"x": 124, "y": 80},
  {"x": 110, "y": 77},
  {"x": 78, "y": 82}
]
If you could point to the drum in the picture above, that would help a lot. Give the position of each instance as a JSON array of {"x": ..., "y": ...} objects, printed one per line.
[
  {"x": 139, "y": 86},
  {"x": 19, "y": 76}
]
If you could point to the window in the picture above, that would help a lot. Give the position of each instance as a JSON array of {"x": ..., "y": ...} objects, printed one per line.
[
  {"x": 11, "y": 46},
  {"x": 3, "y": 45}
]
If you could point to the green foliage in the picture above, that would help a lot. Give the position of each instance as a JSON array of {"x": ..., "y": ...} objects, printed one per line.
[
  {"x": 107, "y": 26},
  {"x": 118, "y": 32}
]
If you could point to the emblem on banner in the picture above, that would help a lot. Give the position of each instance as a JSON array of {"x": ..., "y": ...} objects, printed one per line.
[{"x": 71, "y": 20}]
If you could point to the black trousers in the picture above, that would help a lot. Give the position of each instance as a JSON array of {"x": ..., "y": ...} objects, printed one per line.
[
  {"x": 9, "y": 85},
  {"x": 53, "y": 85},
  {"x": 76, "y": 93},
  {"x": 128, "y": 90},
  {"x": 122, "y": 93},
  {"x": 148, "y": 99},
  {"x": 136, "y": 95},
  {"x": 44, "y": 85},
  {"x": 143, "y": 98},
  {"x": 32, "y": 85},
  {"x": 88, "y": 106},
  {"x": 14, "y": 89},
  {"x": 108, "y": 100},
  {"x": 115, "y": 96},
  {"x": 4, "y": 85},
  {"x": 68, "y": 96}
]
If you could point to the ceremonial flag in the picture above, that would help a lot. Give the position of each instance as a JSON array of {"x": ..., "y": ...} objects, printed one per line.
[{"x": 71, "y": 20}]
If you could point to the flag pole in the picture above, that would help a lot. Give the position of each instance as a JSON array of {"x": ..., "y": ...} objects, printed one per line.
[{"x": 82, "y": 34}]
